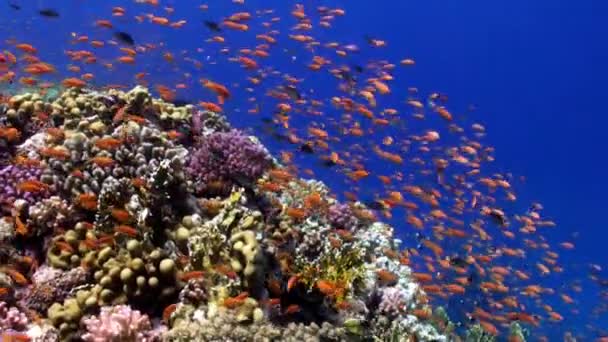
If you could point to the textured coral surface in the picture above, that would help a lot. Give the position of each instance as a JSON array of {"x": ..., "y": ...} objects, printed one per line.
[{"x": 132, "y": 219}]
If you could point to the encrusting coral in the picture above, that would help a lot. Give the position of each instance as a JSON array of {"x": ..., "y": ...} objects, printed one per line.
[{"x": 149, "y": 221}]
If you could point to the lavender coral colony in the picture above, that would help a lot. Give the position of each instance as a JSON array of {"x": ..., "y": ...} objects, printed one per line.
[{"x": 126, "y": 218}]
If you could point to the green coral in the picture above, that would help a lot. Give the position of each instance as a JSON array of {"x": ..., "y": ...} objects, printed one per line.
[
  {"x": 66, "y": 316},
  {"x": 476, "y": 334},
  {"x": 70, "y": 250},
  {"x": 137, "y": 274},
  {"x": 248, "y": 250},
  {"x": 442, "y": 321},
  {"x": 517, "y": 333},
  {"x": 344, "y": 267},
  {"x": 207, "y": 241}
]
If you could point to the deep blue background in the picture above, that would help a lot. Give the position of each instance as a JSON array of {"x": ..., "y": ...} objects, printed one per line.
[{"x": 537, "y": 71}]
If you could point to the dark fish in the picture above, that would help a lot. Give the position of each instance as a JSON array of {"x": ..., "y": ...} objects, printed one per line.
[
  {"x": 48, "y": 12},
  {"x": 345, "y": 75},
  {"x": 213, "y": 26},
  {"x": 14, "y": 6},
  {"x": 328, "y": 163},
  {"x": 181, "y": 102},
  {"x": 358, "y": 68},
  {"x": 458, "y": 261},
  {"x": 124, "y": 37},
  {"x": 369, "y": 39},
  {"x": 293, "y": 93},
  {"x": 307, "y": 148},
  {"x": 470, "y": 278},
  {"x": 374, "y": 204},
  {"x": 498, "y": 219},
  {"x": 267, "y": 119}
]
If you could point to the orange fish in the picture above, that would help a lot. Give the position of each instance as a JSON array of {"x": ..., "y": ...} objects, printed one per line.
[
  {"x": 102, "y": 161},
  {"x": 191, "y": 275},
  {"x": 233, "y": 302},
  {"x": 26, "y": 48},
  {"x": 127, "y": 230},
  {"x": 32, "y": 186},
  {"x": 168, "y": 311},
  {"x": 108, "y": 143}
]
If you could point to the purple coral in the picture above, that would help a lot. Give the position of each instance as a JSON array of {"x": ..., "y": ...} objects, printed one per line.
[
  {"x": 51, "y": 288},
  {"x": 194, "y": 292},
  {"x": 227, "y": 156},
  {"x": 341, "y": 216},
  {"x": 393, "y": 301},
  {"x": 10, "y": 177},
  {"x": 120, "y": 323},
  {"x": 11, "y": 318}
]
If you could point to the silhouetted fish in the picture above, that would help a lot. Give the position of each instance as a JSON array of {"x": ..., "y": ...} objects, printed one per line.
[
  {"x": 124, "y": 37},
  {"x": 181, "y": 102},
  {"x": 48, "y": 12},
  {"x": 458, "y": 261},
  {"x": 374, "y": 204},
  {"x": 14, "y": 6},
  {"x": 307, "y": 148},
  {"x": 293, "y": 93},
  {"x": 213, "y": 26},
  {"x": 328, "y": 163}
]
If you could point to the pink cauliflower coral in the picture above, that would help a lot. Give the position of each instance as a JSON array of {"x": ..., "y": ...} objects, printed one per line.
[{"x": 120, "y": 323}]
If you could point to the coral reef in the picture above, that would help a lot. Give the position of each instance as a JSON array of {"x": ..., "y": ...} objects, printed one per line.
[{"x": 140, "y": 220}]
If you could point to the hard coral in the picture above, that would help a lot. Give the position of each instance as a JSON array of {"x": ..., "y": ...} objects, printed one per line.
[
  {"x": 43, "y": 294},
  {"x": 227, "y": 156},
  {"x": 393, "y": 301},
  {"x": 10, "y": 178},
  {"x": 120, "y": 324},
  {"x": 341, "y": 216},
  {"x": 11, "y": 318},
  {"x": 227, "y": 327}
]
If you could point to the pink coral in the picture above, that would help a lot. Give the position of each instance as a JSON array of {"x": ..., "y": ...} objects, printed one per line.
[
  {"x": 120, "y": 323},
  {"x": 393, "y": 302},
  {"x": 11, "y": 318}
]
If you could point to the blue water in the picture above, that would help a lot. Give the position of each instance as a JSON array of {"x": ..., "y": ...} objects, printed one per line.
[{"x": 535, "y": 70}]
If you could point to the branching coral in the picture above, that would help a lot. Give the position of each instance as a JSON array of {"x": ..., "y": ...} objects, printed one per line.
[
  {"x": 341, "y": 216},
  {"x": 11, "y": 318},
  {"x": 12, "y": 178},
  {"x": 120, "y": 323},
  {"x": 340, "y": 269},
  {"x": 208, "y": 241},
  {"x": 229, "y": 156}
]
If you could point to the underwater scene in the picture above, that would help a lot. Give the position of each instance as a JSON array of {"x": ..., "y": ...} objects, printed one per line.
[{"x": 312, "y": 170}]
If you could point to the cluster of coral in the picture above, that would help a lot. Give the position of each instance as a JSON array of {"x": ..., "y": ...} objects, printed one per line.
[{"x": 127, "y": 218}]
